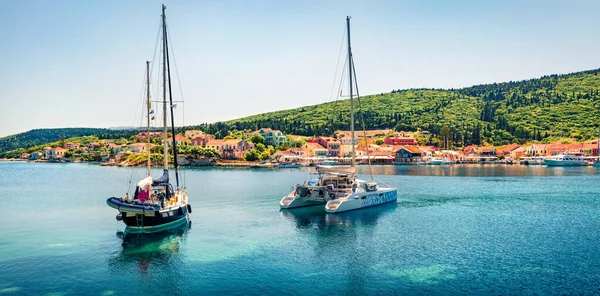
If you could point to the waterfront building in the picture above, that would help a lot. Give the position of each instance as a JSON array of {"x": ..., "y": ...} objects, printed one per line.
[
  {"x": 56, "y": 153},
  {"x": 332, "y": 145},
  {"x": 274, "y": 138},
  {"x": 153, "y": 135},
  {"x": 200, "y": 139},
  {"x": 235, "y": 149},
  {"x": 180, "y": 141},
  {"x": 408, "y": 154},
  {"x": 400, "y": 141},
  {"x": 71, "y": 145},
  {"x": 138, "y": 147}
]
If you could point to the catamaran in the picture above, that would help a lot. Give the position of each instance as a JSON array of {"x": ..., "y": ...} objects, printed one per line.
[
  {"x": 156, "y": 205},
  {"x": 364, "y": 193},
  {"x": 336, "y": 183},
  {"x": 332, "y": 182}
]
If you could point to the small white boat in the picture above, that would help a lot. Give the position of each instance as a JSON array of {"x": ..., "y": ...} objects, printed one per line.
[
  {"x": 264, "y": 165},
  {"x": 439, "y": 161},
  {"x": 532, "y": 160},
  {"x": 566, "y": 160},
  {"x": 289, "y": 165}
]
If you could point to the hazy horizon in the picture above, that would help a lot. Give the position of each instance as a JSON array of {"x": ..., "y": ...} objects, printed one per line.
[{"x": 81, "y": 64}]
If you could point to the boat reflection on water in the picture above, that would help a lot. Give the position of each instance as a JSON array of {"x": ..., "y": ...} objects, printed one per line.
[
  {"x": 157, "y": 243},
  {"x": 310, "y": 217},
  {"x": 141, "y": 250}
]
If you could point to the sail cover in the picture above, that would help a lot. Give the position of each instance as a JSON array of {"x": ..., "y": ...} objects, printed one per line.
[
  {"x": 145, "y": 182},
  {"x": 336, "y": 169},
  {"x": 164, "y": 179}
]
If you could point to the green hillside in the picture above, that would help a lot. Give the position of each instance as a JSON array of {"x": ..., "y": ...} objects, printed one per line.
[
  {"x": 542, "y": 109},
  {"x": 33, "y": 138}
]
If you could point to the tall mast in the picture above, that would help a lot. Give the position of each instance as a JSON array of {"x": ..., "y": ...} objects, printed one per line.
[
  {"x": 171, "y": 104},
  {"x": 148, "y": 111},
  {"x": 166, "y": 144},
  {"x": 351, "y": 94},
  {"x": 352, "y": 72}
]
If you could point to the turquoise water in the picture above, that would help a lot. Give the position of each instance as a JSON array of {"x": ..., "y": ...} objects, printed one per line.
[{"x": 455, "y": 230}]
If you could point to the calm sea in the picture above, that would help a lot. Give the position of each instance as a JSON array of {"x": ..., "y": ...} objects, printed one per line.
[{"x": 455, "y": 230}]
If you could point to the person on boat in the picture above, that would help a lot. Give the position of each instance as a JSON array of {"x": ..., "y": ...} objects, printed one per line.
[
  {"x": 126, "y": 198},
  {"x": 143, "y": 195}
]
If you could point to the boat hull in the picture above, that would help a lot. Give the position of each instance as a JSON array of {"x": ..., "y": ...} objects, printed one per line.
[
  {"x": 362, "y": 200},
  {"x": 552, "y": 162},
  {"x": 149, "y": 217},
  {"x": 290, "y": 166},
  {"x": 291, "y": 202},
  {"x": 159, "y": 224}
]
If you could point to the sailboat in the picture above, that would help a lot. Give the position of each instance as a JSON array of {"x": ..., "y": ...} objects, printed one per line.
[
  {"x": 365, "y": 193},
  {"x": 156, "y": 205}
]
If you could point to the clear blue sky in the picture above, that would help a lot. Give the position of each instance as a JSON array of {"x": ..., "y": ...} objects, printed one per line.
[{"x": 81, "y": 63}]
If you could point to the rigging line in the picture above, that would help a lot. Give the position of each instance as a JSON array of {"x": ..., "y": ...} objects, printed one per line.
[
  {"x": 175, "y": 64},
  {"x": 172, "y": 55},
  {"x": 337, "y": 65},
  {"x": 339, "y": 92},
  {"x": 362, "y": 119}
]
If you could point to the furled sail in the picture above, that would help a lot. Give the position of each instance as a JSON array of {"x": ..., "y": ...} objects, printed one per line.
[
  {"x": 163, "y": 180},
  {"x": 336, "y": 169}
]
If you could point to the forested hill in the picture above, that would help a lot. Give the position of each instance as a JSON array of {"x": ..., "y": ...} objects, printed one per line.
[
  {"x": 542, "y": 109},
  {"x": 41, "y": 136}
]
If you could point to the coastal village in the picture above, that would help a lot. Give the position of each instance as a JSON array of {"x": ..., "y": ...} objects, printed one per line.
[{"x": 276, "y": 148}]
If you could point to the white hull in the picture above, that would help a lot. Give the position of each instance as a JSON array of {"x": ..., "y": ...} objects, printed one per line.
[
  {"x": 439, "y": 161},
  {"x": 290, "y": 166},
  {"x": 362, "y": 199},
  {"x": 292, "y": 202},
  {"x": 552, "y": 162}
]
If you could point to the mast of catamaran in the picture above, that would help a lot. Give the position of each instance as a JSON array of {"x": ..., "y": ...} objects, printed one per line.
[
  {"x": 351, "y": 94},
  {"x": 352, "y": 74},
  {"x": 148, "y": 111}
]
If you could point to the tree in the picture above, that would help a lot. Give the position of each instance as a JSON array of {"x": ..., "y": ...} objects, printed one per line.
[
  {"x": 61, "y": 143},
  {"x": 257, "y": 139},
  {"x": 69, "y": 153},
  {"x": 260, "y": 147},
  {"x": 252, "y": 155},
  {"x": 156, "y": 149}
]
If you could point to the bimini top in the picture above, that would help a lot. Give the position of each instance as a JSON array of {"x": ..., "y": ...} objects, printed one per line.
[
  {"x": 336, "y": 169},
  {"x": 163, "y": 180}
]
